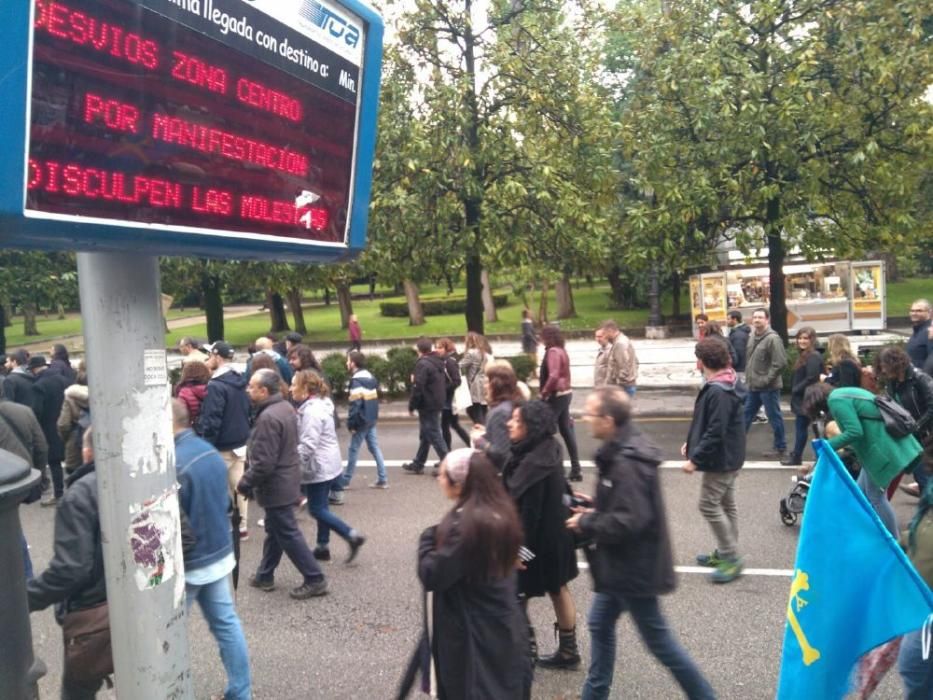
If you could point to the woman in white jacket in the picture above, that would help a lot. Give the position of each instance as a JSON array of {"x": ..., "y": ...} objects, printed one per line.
[{"x": 321, "y": 464}]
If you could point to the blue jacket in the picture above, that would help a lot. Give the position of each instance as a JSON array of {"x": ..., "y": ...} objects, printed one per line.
[
  {"x": 364, "y": 401},
  {"x": 202, "y": 475},
  {"x": 919, "y": 346},
  {"x": 224, "y": 419}
]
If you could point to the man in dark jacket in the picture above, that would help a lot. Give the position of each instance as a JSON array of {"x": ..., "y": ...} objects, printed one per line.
[
  {"x": 427, "y": 397},
  {"x": 738, "y": 339},
  {"x": 203, "y": 497},
  {"x": 50, "y": 387},
  {"x": 362, "y": 414},
  {"x": 920, "y": 344},
  {"x": 224, "y": 419},
  {"x": 61, "y": 364},
  {"x": 74, "y": 579},
  {"x": 273, "y": 476},
  {"x": 20, "y": 384},
  {"x": 716, "y": 446},
  {"x": 630, "y": 552}
]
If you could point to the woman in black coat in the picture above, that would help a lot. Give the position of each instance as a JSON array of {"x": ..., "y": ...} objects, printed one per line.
[
  {"x": 534, "y": 477},
  {"x": 479, "y": 644},
  {"x": 807, "y": 371}
]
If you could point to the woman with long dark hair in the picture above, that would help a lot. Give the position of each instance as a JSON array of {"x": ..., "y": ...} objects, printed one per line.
[
  {"x": 807, "y": 371},
  {"x": 534, "y": 477},
  {"x": 446, "y": 349},
  {"x": 502, "y": 395},
  {"x": 555, "y": 389},
  {"x": 479, "y": 644}
]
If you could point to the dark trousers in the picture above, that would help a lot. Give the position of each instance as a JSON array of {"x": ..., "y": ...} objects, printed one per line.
[
  {"x": 429, "y": 435},
  {"x": 283, "y": 536},
  {"x": 560, "y": 405},
  {"x": 58, "y": 478},
  {"x": 477, "y": 413},
  {"x": 449, "y": 420},
  {"x": 801, "y": 431},
  {"x": 75, "y": 690}
]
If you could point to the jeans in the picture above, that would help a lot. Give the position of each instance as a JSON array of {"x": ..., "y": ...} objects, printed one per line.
[
  {"x": 654, "y": 632},
  {"x": 356, "y": 441},
  {"x": 429, "y": 435},
  {"x": 801, "y": 433},
  {"x": 717, "y": 504},
  {"x": 283, "y": 536},
  {"x": 449, "y": 420},
  {"x": 916, "y": 673},
  {"x": 770, "y": 398},
  {"x": 216, "y": 602},
  {"x": 921, "y": 475},
  {"x": 326, "y": 521},
  {"x": 560, "y": 405},
  {"x": 879, "y": 501},
  {"x": 630, "y": 390}
]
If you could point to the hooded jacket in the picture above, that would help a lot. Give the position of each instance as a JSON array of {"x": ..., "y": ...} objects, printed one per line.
[
  {"x": 74, "y": 579},
  {"x": 75, "y": 412},
  {"x": 630, "y": 551},
  {"x": 224, "y": 420},
  {"x": 738, "y": 339},
  {"x": 363, "y": 410},
  {"x": 318, "y": 449},
  {"x": 716, "y": 438},
  {"x": 430, "y": 388},
  {"x": 765, "y": 361},
  {"x": 20, "y": 387}
]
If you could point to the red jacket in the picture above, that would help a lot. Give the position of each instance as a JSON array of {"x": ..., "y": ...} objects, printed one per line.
[
  {"x": 193, "y": 396},
  {"x": 555, "y": 372}
]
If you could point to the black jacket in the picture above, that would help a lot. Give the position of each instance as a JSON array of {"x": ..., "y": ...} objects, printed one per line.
[
  {"x": 631, "y": 550},
  {"x": 716, "y": 439},
  {"x": 847, "y": 373},
  {"x": 20, "y": 387},
  {"x": 63, "y": 368},
  {"x": 273, "y": 470},
  {"x": 50, "y": 386},
  {"x": 21, "y": 434},
  {"x": 919, "y": 346},
  {"x": 738, "y": 339},
  {"x": 453, "y": 371},
  {"x": 74, "y": 579},
  {"x": 915, "y": 394},
  {"x": 429, "y": 391},
  {"x": 224, "y": 419},
  {"x": 480, "y": 635},
  {"x": 806, "y": 374}
]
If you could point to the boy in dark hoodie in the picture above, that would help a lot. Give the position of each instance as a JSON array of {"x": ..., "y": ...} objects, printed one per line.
[{"x": 716, "y": 446}]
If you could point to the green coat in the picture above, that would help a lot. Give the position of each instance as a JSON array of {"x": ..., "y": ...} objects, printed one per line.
[{"x": 863, "y": 431}]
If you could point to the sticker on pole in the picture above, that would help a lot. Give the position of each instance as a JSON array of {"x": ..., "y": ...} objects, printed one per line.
[
  {"x": 155, "y": 368},
  {"x": 155, "y": 541}
]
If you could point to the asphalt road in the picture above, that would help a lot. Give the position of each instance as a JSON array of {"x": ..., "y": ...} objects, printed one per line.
[{"x": 354, "y": 642}]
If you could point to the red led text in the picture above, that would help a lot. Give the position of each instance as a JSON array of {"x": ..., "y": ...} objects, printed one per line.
[
  {"x": 191, "y": 69},
  {"x": 116, "y": 115},
  {"x": 93, "y": 183},
  {"x": 84, "y": 30},
  {"x": 261, "y": 97},
  {"x": 211, "y": 201}
]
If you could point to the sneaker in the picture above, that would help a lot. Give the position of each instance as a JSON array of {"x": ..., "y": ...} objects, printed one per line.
[
  {"x": 321, "y": 553},
  {"x": 412, "y": 468},
  {"x": 261, "y": 522},
  {"x": 49, "y": 501},
  {"x": 728, "y": 570},
  {"x": 336, "y": 498},
  {"x": 910, "y": 489},
  {"x": 355, "y": 542},
  {"x": 244, "y": 534},
  {"x": 380, "y": 485},
  {"x": 302, "y": 502},
  {"x": 760, "y": 419},
  {"x": 791, "y": 461},
  {"x": 263, "y": 584},
  {"x": 712, "y": 559},
  {"x": 309, "y": 589}
]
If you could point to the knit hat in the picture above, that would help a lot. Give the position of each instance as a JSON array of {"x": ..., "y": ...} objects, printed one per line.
[{"x": 457, "y": 464}]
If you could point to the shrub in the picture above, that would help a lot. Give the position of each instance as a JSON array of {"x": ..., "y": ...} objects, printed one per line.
[
  {"x": 523, "y": 365},
  {"x": 436, "y": 307},
  {"x": 394, "y": 374},
  {"x": 336, "y": 373}
]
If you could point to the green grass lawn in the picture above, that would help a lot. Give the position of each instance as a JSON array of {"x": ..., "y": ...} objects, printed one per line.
[{"x": 901, "y": 294}]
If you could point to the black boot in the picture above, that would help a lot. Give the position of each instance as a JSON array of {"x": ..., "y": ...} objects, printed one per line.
[
  {"x": 567, "y": 654},
  {"x": 576, "y": 474}
]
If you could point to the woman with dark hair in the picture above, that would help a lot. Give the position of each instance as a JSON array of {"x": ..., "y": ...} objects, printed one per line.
[
  {"x": 555, "y": 389},
  {"x": 446, "y": 349},
  {"x": 912, "y": 389},
  {"x": 263, "y": 361},
  {"x": 476, "y": 353},
  {"x": 302, "y": 357},
  {"x": 807, "y": 371},
  {"x": 61, "y": 364},
  {"x": 534, "y": 477},
  {"x": 480, "y": 639},
  {"x": 192, "y": 387},
  {"x": 712, "y": 329},
  {"x": 502, "y": 395},
  {"x": 846, "y": 369}
]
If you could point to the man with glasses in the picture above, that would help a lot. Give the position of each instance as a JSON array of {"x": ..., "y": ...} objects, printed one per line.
[{"x": 920, "y": 345}]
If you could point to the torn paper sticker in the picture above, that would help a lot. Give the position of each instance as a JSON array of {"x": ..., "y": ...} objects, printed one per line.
[
  {"x": 155, "y": 541},
  {"x": 148, "y": 446}
]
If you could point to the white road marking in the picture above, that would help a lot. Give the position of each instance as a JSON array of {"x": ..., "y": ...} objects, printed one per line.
[
  {"x": 786, "y": 573},
  {"x": 587, "y": 464}
]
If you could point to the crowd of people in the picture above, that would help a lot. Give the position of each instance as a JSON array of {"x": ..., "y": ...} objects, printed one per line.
[{"x": 269, "y": 434}]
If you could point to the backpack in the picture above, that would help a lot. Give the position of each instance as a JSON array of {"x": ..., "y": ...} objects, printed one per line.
[{"x": 897, "y": 420}]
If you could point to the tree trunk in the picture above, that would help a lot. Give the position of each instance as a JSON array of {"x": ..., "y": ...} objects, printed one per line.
[
  {"x": 489, "y": 305},
  {"x": 212, "y": 291},
  {"x": 278, "y": 321},
  {"x": 372, "y": 288},
  {"x": 415, "y": 311},
  {"x": 29, "y": 319},
  {"x": 345, "y": 302},
  {"x": 778, "y": 305},
  {"x": 326, "y": 296},
  {"x": 474, "y": 299},
  {"x": 891, "y": 272},
  {"x": 615, "y": 285},
  {"x": 61, "y": 311},
  {"x": 675, "y": 294},
  {"x": 564, "y": 292},
  {"x": 542, "y": 303},
  {"x": 298, "y": 313},
  {"x": 654, "y": 297},
  {"x": 2, "y": 328}
]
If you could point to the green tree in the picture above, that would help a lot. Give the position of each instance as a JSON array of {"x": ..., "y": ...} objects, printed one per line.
[{"x": 180, "y": 276}]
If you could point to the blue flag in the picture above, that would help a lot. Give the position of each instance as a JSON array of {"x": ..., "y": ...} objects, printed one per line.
[{"x": 853, "y": 588}]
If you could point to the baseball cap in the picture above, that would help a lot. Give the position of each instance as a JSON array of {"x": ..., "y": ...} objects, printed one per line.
[
  {"x": 223, "y": 349},
  {"x": 293, "y": 337},
  {"x": 37, "y": 361}
]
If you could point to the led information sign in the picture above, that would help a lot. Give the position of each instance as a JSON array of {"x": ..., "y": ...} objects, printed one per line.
[{"x": 233, "y": 118}]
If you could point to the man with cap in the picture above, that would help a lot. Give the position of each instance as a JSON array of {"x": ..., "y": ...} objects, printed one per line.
[
  {"x": 20, "y": 384},
  {"x": 224, "y": 419}
]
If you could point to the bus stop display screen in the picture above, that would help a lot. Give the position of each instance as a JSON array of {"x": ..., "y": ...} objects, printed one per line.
[{"x": 208, "y": 115}]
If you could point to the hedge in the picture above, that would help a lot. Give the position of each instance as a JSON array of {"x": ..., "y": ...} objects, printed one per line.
[{"x": 436, "y": 307}]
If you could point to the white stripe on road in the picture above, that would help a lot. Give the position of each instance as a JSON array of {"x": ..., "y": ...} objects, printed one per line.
[
  {"x": 670, "y": 464},
  {"x": 787, "y": 573}
]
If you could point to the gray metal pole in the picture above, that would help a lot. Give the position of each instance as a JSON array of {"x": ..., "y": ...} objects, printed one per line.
[{"x": 135, "y": 458}]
